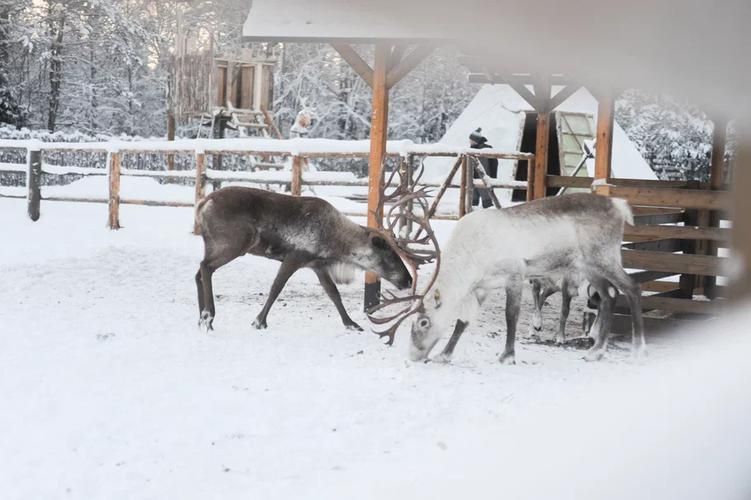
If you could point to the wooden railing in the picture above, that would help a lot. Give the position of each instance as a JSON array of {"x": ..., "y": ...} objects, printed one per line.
[
  {"x": 299, "y": 150},
  {"x": 653, "y": 246}
]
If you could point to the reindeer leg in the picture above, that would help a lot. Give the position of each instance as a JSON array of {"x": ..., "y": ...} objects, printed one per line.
[
  {"x": 480, "y": 294},
  {"x": 199, "y": 288},
  {"x": 513, "y": 305},
  {"x": 290, "y": 264},
  {"x": 560, "y": 337},
  {"x": 632, "y": 291},
  {"x": 537, "y": 313},
  {"x": 330, "y": 288},
  {"x": 212, "y": 261},
  {"x": 448, "y": 351},
  {"x": 603, "y": 321}
]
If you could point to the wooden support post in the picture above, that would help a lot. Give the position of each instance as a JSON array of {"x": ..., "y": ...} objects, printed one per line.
[
  {"x": 463, "y": 187},
  {"x": 33, "y": 180},
  {"x": 114, "y": 190},
  {"x": 530, "y": 181},
  {"x": 296, "y": 186},
  {"x": 378, "y": 137},
  {"x": 687, "y": 282},
  {"x": 716, "y": 182},
  {"x": 604, "y": 136},
  {"x": 741, "y": 239},
  {"x": 541, "y": 155},
  {"x": 405, "y": 182},
  {"x": 469, "y": 182},
  {"x": 200, "y": 183}
]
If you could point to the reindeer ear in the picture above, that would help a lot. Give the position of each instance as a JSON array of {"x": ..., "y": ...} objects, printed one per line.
[
  {"x": 437, "y": 298},
  {"x": 379, "y": 242}
]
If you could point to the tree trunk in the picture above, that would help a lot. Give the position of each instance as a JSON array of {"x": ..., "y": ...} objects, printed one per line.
[{"x": 56, "y": 69}]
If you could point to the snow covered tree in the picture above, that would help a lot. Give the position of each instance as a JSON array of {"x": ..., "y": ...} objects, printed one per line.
[{"x": 674, "y": 137}]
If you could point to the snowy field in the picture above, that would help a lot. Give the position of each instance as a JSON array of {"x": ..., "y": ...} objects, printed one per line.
[{"x": 109, "y": 390}]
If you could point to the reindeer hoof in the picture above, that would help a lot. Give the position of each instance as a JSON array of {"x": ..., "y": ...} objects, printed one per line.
[
  {"x": 354, "y": 327},
  {"x": 508, "y": 358},
  {"x": 560, "y": 340},
  {"x": 639, "y": 353},
  {"x": 259, "y": 324},
  {"x": 206, "y": 322},
  {"x": 443, "y": 358},
  {"x": 594, "y": 354}
]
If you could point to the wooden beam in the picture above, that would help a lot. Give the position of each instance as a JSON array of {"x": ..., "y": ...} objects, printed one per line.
[
  {"x": 33, "y": 181},
  {"x": 741, "y": 240},
  {"x": 397, "y": 52},
  {"x": 296, "y": 184},
  {"x": 407, "y": 64},
  {"x": 114, "y": 191},
  {"x": 677, "y": 232},
  {"x": 541, "y": 155},
  {"x": 604, "y": 136},
  {"x": 671, "y": 304},
  {"x": 586, "y": 182},
  {"x": 656, "y": 245},
  {"x": 355, "y": 62},
  {"x": 525, "y": 94},
  {"x": 562, "y": 95},
  {"x": 378, "y": 137},
  {"x": 200, "y": 186},
  {"x": 716, "y": 182},
  {"x": 645, "y": 276},
  {"x": 656, "y": 197},
  {"x": 703, "y": 265},
  {"x": 463, "y": 187}
]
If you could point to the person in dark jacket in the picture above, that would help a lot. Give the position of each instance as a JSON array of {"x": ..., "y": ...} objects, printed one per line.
[{"x": 479, "y": 141}]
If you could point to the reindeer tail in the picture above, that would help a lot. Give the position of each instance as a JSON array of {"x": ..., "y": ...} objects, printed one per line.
[
  {"x": 624, "y": 209},
  {"x": 199, "y": 213}
]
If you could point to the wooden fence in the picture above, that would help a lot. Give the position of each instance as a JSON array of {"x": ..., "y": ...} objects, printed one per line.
[
  {"x": 675, "y": 235},
  {"x": 296, "y": 178}
]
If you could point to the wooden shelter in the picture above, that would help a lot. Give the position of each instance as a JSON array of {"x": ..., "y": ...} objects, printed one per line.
[{"x": 536, "y": 49}]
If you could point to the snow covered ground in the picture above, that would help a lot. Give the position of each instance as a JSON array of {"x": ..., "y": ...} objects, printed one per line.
[{"x": 109, "y": 390}]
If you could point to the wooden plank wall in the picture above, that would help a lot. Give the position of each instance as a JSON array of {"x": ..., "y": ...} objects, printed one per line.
[{"x": 663, "y": 250}]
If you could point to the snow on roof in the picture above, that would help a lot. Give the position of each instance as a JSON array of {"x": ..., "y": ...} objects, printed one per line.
[
  {"x": 499, "y": 110},
  {"x": 353, "y": 20}
]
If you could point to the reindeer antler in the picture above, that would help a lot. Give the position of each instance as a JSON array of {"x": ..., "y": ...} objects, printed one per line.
[{"x": 404, "y": 199}]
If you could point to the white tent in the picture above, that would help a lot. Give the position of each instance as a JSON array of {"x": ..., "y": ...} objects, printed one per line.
[{"x": 500, "y": 112}]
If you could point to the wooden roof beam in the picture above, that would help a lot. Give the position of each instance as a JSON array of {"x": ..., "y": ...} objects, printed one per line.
[
  {"x": 355, "y": 62},
  {"x": 562, "y": 95},
  {"x": 410, "y": 62}
]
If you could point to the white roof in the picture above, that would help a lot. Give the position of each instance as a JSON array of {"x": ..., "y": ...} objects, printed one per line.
[
  {"x": 350, "y": 20},
  {"x": 499, "y": 110}
]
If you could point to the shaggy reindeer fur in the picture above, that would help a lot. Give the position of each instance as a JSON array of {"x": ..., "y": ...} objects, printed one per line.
[
  {"x": 571, "y": 235},
  {"x": 297, "y": 231}
]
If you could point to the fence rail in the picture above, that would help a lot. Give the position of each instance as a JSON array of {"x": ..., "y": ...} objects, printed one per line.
[{"x": 299, "y": 150}]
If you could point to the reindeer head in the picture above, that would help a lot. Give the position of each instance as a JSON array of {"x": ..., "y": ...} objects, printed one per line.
[
  {"x": 386, "y": 260},
  {"x": 402, "y": 208},
  {"x": 426, "y": 329}
]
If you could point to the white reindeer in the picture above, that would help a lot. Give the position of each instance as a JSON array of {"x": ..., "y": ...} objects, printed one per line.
[
  {"x": 571, "y": 235},
  {"x": 570, "y": 287}
]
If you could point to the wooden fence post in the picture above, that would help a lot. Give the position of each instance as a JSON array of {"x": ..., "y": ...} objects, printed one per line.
[
  {"x": 33, "y": 179},
  {"x": 296, "y": 187},
  {"x": 530, "y": 181},
  {"x": 463, "y": 187},
  {"x": 114, "y": 190},
  {"x": 200, "y": 183}
]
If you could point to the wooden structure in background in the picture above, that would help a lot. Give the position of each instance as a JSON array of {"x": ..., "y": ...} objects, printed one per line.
[{"x": 543, "y": 93}]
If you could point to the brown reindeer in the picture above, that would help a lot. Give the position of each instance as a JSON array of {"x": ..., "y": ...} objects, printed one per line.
[{"x": 297, "y": 231}]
